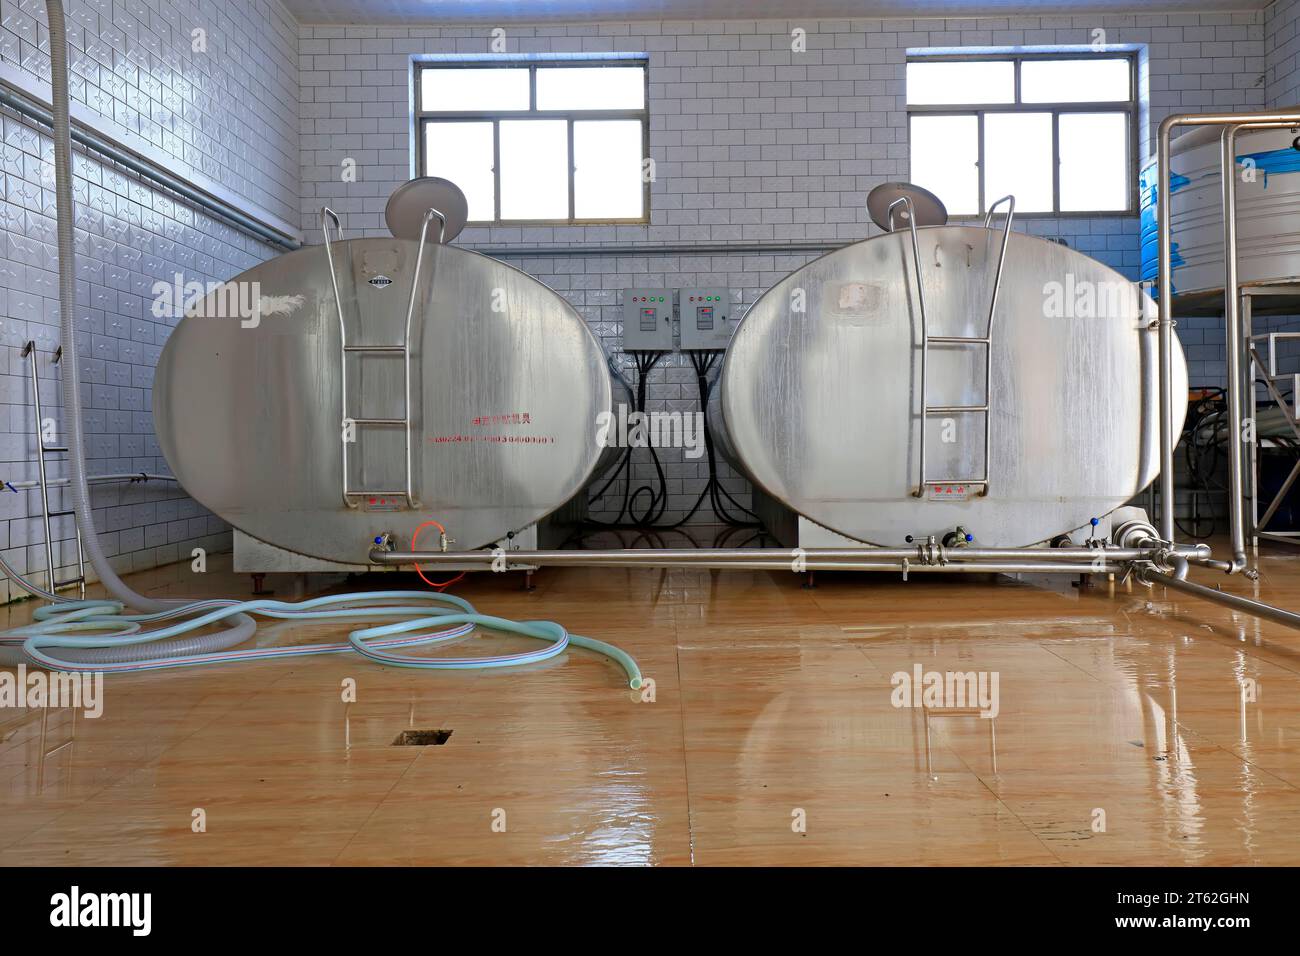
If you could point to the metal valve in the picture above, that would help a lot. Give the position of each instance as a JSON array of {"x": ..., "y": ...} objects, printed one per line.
[{"x": 957, "y": 538}]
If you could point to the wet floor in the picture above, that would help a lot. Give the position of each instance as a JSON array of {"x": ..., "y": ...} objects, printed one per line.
[{"x": 1125, "y": 725}]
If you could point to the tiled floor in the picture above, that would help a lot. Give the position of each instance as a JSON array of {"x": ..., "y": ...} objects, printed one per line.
[{"x": 1123, "y": 735}]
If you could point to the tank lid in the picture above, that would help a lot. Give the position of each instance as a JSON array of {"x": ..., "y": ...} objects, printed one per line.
[
  {"x": 412, "y": 200},
  {"x": 929, "y": 209}
]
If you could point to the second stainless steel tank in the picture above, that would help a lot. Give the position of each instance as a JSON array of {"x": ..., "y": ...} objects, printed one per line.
[{"x": 820, "y": 398}]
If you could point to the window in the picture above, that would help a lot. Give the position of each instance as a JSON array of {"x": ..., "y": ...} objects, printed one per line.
[
  {"x": 537, "y": 141},
  {"x": 1057, "y": 131}
]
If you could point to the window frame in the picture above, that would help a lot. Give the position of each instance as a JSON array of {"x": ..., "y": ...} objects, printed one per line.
[
  {"x": 423, "y": 118},
  {"x": 1131, "y": 107}
]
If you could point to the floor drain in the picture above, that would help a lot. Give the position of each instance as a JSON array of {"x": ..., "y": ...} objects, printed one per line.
[{"x": 421, "y": 738}]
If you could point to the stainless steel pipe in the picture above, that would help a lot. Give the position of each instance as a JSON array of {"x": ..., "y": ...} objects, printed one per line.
[
  {"x": 923, "y": 558},
  {"x": 136, "y": 476},
  {"x": 526, "y": 559},
  {"x": 1234, "y": 601},
  {"x": 1232, "y": 335},
  {"x": 381, "y": 556}
]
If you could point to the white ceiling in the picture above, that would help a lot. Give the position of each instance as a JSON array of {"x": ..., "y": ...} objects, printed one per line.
[{"x": 416, "y": 12}]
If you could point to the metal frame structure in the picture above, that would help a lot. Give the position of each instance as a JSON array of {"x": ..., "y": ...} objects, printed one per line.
[
  {"x": 1231, "y": 124},
  {"x": 42, "y": 449},
  {"x": 45, "y": 483},
  {"x": 1256, "y": 365}
]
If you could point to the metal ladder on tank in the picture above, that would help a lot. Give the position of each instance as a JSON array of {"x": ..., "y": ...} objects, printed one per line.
[
  {"x": 984, "y": 341},
  {"x": 328, "y": 215},
  {"x": 42, "y": 449}
]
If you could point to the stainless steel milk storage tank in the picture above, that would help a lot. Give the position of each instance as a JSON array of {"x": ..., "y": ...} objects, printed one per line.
[
  {"x": 506, "y": 385},
  {"x": 821, "y": 396}
]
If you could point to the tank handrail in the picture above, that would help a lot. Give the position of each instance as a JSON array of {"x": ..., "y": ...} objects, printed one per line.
[
  {"x": 1010, "y": 200},
  {"x": 910, "y": 209},
  {"x": 406, "y": 344},
  {"x": 326, "y": 214},
  {"x": 988, "y": 334}
]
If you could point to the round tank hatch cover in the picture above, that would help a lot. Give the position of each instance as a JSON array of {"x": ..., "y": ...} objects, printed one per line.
[
  {"x": 929, "y": 208},
  {"x": 412, "y": 200}
]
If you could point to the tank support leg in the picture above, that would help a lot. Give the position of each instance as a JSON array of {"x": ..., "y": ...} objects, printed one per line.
[
  {"x": 258, "y": 581},
  {"x": 810, "y": 580},
  {"x": 528, "y": 581}
]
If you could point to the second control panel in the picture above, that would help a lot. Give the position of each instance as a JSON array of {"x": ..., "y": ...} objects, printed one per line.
[{"x": 706, "y": 318}]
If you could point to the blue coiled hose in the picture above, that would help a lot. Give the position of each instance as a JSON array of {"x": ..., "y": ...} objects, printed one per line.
[
  {"x": 60, "y": 626},
  {"x": 117, "y": 641}
]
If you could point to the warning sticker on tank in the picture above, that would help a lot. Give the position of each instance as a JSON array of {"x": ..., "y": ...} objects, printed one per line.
[
  {"x": 509, "y": 418},
  {"x": 496, "y": 421},
  {"x": 383, "y": 503},
  {"x": 492, "y": 439},
  {"x": 954, "y": 492}
]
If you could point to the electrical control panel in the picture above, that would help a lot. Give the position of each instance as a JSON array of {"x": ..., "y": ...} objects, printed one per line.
[
  {"x": 648, "y": 320},
  {"x": 706, "y": 318}
]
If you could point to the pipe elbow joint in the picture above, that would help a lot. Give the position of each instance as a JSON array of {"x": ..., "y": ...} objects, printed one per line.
[{"x": 1172, "y": 563}]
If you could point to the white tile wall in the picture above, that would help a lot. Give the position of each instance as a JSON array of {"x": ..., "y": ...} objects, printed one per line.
[
  {"x": 229, "y": 111},
  {"x": 1282, "y": 52},
  {"x": 752, "y": 141},
  {"x": 230, "y": 114}
]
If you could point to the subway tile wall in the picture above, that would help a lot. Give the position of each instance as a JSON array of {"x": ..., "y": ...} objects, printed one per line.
[
  {"x": 752, "y": 142},
  {"x": 230, "y": 113},
  {"x": 1282, "y": 52}
]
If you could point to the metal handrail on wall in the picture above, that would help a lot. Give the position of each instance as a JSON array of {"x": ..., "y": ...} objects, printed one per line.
[{"x": 26, "y": 106}]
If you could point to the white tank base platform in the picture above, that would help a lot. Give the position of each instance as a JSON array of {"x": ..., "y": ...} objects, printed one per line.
[
  {"x": 793, "y": 530},
  {"x": 255, "y": 556}
]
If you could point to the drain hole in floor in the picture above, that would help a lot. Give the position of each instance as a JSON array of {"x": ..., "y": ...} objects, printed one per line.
[{"x": 421, "y": 738}]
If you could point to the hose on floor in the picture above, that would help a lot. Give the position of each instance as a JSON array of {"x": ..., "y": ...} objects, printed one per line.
[
  {"x": 434, "y": 618},
  {"x": 118, "y": 640}
]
